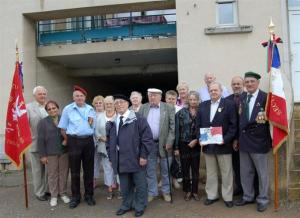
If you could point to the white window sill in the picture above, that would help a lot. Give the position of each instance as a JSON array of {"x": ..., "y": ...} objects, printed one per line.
[{"x": 228, "y": 29}]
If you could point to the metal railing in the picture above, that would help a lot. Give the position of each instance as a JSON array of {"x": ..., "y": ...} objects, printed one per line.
[{"x": 102, "y": 28}]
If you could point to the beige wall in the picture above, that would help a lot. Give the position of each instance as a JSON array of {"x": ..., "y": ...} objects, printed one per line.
[{"x": 225, "y": 55}]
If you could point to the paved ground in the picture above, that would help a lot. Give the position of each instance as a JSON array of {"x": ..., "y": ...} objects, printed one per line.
[{"x": 12, "y": 205}]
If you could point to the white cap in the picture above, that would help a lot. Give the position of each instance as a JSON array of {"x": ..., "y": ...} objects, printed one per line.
[{"x": 154, "y": 90}]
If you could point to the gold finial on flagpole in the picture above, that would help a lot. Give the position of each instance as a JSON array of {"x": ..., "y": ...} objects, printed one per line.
[
  {"x": 271, "y": 28},
  {"x": 17, "y": 51}
]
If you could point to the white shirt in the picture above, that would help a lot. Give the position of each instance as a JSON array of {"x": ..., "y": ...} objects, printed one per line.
[
  {"x": 213, "y": 108},
  {"x": 204, "y": 94},
  {"x": 252, "y": 101},
  {"x": 125, "y": 115},
  {"x": 42, "y": 109}
]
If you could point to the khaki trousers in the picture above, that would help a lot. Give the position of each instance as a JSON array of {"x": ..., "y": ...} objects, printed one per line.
[
  {"x": 58, "y": 169},
  {"x": 224, "y": 161},
  {"x": 39, "y": 175}
]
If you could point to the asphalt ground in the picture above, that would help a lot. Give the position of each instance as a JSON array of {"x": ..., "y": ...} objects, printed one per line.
[{"x": 12, "y": 204}]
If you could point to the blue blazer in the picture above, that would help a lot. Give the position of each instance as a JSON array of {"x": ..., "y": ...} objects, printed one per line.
[
  {"x": 226, "y": 116},
  {"x": 254, "y": 137}
]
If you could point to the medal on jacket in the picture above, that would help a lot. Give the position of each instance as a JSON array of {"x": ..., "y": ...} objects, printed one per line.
[
  {"x": 240, "y": 109},
  {"x": 261, "y": 116},
  {"x": 219, "y": 109}
]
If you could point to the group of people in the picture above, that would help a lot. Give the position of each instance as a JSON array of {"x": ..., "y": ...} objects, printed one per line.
[{"x": 132, "y": 143}]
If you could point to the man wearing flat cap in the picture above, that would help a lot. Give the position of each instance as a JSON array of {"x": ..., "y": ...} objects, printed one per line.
[
  {"x": 255, "y": 143},
  {"x": 161, "y": 118},
  {"x": 77, "y": 127},
  {"x": 129, "y": 142}
]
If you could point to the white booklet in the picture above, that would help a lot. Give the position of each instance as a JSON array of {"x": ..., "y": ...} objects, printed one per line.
[{"x": 211, "y": 135}]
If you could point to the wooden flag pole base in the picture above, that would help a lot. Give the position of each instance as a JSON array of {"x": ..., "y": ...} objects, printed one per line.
[{"x": 25, "y": 182}]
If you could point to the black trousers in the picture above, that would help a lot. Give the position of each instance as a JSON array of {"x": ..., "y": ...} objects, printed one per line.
[
  {"x": 81, "y": 150},
  {"x": 236, "y": 170},
  {"x": 190, "y": 161}
]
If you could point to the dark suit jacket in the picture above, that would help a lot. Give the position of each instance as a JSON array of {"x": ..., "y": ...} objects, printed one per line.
[
  {"x": 226, "y": 117},
  {"x": 237, "y": 104},
  {"x": 254, "y": 137}
]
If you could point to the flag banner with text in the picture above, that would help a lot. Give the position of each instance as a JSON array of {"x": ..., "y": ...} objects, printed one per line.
[{"x": 17, "y": 132}]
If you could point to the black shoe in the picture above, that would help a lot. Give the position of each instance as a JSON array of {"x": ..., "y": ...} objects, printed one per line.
[
  {"x": 261, "y": 207},
  {"x": 209, "y": 201},
  {"x": 242, "y": 202},
  {"x": 138, "y": 213},
  {"x": 228, "y": 204},
  {"x": 121, "y": 212},
  {"x": 73, "y": 203},
  {"x": 90, "y": 200},
  {"x": 237, "y": 192},
  {"x": 42, "y": 198},
  {"x": 196, "y": 197}
]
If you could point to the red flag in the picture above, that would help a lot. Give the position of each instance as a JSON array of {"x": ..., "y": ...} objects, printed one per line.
[
  {"x": 276, "y": 109},
  {"x": 17, "y": 132}
]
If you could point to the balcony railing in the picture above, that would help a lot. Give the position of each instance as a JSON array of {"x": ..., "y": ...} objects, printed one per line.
[{"x": 101, "y": 28}]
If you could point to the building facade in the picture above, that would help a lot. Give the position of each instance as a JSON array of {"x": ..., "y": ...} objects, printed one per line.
[{"x": 110, "y": 46}]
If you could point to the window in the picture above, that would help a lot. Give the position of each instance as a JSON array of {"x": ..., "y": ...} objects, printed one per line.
[{"x": 226, "y": 13}]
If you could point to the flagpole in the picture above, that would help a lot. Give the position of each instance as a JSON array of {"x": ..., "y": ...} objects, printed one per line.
[
  {"x": 271, "y": 28},
  {"x": 23, "y": 156},
  {"x": 25, "y": 181}
]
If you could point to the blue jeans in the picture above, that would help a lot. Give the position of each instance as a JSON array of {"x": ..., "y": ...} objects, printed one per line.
[{"x": 152, "y": 176}]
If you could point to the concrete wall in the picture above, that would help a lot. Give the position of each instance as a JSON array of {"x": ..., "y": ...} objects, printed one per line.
[{"x": 223, "y": 54}]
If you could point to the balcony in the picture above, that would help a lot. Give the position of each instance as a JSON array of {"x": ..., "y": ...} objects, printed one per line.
[{"x": 102, "y": 28}]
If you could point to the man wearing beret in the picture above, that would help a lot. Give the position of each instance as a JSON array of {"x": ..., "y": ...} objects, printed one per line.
[
  {"x": 255, "y": 143},
  {"x": 161, "y": 118},
  {"x": 129, "y": 142},
  {"x": 77, "y": 127}
]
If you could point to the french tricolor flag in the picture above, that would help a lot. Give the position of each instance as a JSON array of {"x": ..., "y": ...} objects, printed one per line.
[{"x": 276, "y": 110}]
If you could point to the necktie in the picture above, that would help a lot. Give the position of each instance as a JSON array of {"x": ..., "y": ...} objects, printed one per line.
[
  {"x": 247, "y": 110},
  {"x": 236, "y": 99},
  {"x": 120, "y": 123}
]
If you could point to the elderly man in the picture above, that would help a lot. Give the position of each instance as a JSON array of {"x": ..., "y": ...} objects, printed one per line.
[
  {"x": 171, "y": 98},
  {"x": 36, "y": 111},
  {"x": 161, "y": 118},
  {"x": 129, "y": 144},
  {"x": 237, "y": 85},
  {"x": 136, "y": 101},
  {"x": 77, "y": 127},
  {"x": 255, "y": 143},
  {"x": 204, "y": 92},
  {"x": 218, "y": 112}
]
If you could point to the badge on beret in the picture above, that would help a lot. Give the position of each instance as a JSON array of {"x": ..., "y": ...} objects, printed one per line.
[{"x": 261, "y": 116}]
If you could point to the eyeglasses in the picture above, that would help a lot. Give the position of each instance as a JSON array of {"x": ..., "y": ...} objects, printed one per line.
[
  {"x": 51, "y": 108},
  {"x": 120, "y": 102}
]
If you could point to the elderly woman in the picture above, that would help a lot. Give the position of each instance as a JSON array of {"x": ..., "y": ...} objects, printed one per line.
[
  {"x": 100, "y": 135},
  {"x": 183, "y": 90},
  {"x": 53, "y": 152},
  {"x": 136, "y": 101},
  {"x": 186, "y": 145},
  {"x": 98, "y": 104}
]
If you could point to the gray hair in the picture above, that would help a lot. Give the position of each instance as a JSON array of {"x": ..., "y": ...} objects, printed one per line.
[
  {"x": 136, "y": 93},
  {"x": 35, "y": 89},
  {"x": 194, "y": 93},
  {"x": 108, "y": 98},
  {"x": 182, "y": 84},
  {"x": 216, "y": 83}
]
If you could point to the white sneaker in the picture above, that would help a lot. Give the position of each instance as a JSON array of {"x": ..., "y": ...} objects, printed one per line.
[
  {"x": 65, "y": 199},
  {"x": 176, "y": 184},
  {"x": 53, "y": 202}
]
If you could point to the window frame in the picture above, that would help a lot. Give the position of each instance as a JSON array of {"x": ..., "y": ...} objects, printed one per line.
[{"x": 235, "y": 13}]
